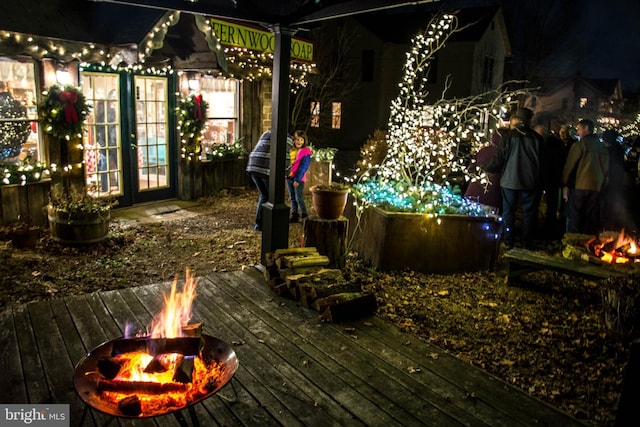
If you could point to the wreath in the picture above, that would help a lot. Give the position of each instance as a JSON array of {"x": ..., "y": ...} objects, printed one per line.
[
  {"x": 192, "y": 115},
  {"x": 63, "y": 111}
]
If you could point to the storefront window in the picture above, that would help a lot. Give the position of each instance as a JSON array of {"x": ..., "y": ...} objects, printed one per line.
[
  {"x": 19, "y": 142},
  {"x": 222, "y": 113}
]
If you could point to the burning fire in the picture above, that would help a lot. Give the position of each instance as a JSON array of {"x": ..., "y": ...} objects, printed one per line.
[
  {"x": 620, "y": 249},
  {"x": 145, "y": 383}
]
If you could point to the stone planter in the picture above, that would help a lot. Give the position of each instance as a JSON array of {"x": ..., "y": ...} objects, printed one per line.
[
  {"x": 327, "y": 202},
  {"x": 84, "y": 228},
  {"x": 444, "y": 244}
]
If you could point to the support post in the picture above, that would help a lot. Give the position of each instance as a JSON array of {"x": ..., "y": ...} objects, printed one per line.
[{"x": 275, "y": 234}]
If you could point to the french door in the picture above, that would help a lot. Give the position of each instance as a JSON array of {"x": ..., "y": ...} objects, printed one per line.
[{"x": 127, "y": 150}]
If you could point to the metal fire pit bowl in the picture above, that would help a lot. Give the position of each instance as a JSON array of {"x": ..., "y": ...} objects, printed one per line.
[{"x": 87, "y": 385}]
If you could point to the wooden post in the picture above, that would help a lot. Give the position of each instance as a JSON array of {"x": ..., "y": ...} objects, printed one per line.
[{"x": 329, "y": 236}]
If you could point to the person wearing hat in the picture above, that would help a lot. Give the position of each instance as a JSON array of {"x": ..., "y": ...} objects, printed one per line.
[
  {"x": 585, "y": 173},
  {"x": 519, "y": 159}
]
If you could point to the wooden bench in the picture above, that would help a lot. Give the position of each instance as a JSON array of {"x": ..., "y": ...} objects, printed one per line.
[{"x": 523, "y": 261}]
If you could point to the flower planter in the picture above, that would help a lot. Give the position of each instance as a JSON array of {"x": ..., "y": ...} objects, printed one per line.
[
  {"x": 220, "y": 174},
  {"x": 329, "y": 203},
  {"x": 84, "y": 228},
  {"x": 442, "y": 244}
]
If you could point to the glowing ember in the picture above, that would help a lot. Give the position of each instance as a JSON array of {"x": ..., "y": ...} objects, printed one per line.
[
  {"x": 174, "y": 395},
  {"x": 614, "y": 249}
]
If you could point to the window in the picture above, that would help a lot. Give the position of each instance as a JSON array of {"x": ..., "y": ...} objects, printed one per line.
[
  {"x": 583, "y": 102},
  {"x": 102, "y": 159},
  {"x": 315, "y": 114},
  {"x": 18, "y": 126},
  {"x": 336, "y": 115},
  {"x": 222, "y": 106}
]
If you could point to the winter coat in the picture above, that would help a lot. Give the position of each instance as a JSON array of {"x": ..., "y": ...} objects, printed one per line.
[
  {"x": 300, "y": 165},
  {"x": 587, "y": 164},
  {"x": 260, "y": 157},
  {"x": 519, "y": 157}
]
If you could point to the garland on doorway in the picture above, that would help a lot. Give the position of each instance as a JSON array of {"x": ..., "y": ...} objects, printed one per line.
[{"x": 192, "y": 115}]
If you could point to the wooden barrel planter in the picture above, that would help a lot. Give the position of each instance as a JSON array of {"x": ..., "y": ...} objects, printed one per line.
[
  {"x": 84, "y": 228},
  {"x": 443, "y": 244},
  {"x": 329, "y": 202}
]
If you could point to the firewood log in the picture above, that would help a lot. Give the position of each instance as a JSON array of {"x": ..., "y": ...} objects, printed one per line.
[
  {"x": 351, "y": 309},
  {"x": 287, "y": 272},
  {"x": 322, "y": 304},
  {"x": 109, "y": 367},
  {"x": 324, "y": 275},
  {"x": 188, "y": 346},
  {"x": 306, "y": 261},
  {"x": 294, "y": 251},
  {"x": 130, "y": 405},
  {"x": 142, "y": 387},
  {"x": 270, "y": 272},
  {"x": 316, "y": 290}
]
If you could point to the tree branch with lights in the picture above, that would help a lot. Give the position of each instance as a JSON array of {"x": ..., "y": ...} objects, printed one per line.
[{"x": 430, "y": 146}]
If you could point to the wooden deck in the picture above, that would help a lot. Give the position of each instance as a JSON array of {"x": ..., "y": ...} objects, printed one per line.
[{"x": 293, "y": 369}]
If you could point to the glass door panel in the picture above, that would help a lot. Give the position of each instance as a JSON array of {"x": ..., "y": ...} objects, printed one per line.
[
  {"x": 151, "y": 117},
  {"x": 102, "y": 151}
]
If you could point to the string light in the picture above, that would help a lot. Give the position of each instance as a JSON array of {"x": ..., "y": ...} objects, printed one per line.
[{"x": 428, "y": 146}]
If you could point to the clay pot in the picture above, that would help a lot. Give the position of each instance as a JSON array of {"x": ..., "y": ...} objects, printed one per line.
[{"x": 328, "y": 202}]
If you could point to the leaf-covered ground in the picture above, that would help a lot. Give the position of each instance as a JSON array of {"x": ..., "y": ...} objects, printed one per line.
[{"x": 546, "y": 337}]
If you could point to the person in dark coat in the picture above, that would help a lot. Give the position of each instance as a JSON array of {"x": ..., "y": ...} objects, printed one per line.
[
  {"x": 552, "y": 164},
  {"x": 614, "y": 213},
  {"x": 520, "y": 160},
  {"x": 486, "y": 194},
  {"x": 259, "y": 169},
  {"x": 585, "y": 173}
]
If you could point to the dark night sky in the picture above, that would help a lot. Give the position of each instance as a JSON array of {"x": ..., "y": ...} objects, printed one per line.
[
  {"x": 597, "y": 38},
  {"x": 607, "y": 33}
]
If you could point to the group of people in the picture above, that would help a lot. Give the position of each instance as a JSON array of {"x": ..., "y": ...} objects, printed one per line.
[
  {"x": 299, "y": 159},
  {"x": 581, "y": 179}
]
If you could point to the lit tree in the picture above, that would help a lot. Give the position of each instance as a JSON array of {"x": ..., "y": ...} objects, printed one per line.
[{"x": 428, "y": 145}]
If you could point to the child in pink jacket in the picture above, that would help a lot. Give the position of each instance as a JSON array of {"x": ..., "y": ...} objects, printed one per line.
[{"x": 300, "y": 162}]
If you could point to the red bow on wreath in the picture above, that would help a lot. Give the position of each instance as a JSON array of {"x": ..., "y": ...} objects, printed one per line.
[
  {"x": 197, "y": 113},
  {"x": 69, "y": 98}
]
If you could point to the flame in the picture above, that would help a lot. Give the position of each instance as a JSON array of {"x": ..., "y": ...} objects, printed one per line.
[{"x": 177, "y": 309}]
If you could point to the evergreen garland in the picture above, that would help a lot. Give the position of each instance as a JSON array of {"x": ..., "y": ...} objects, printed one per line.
[{"x": 192, "y": 115}]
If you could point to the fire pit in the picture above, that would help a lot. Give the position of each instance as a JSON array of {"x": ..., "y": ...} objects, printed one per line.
[
  {"x": 102, "y": 378},
  {"x": 169, "y": 369}
]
